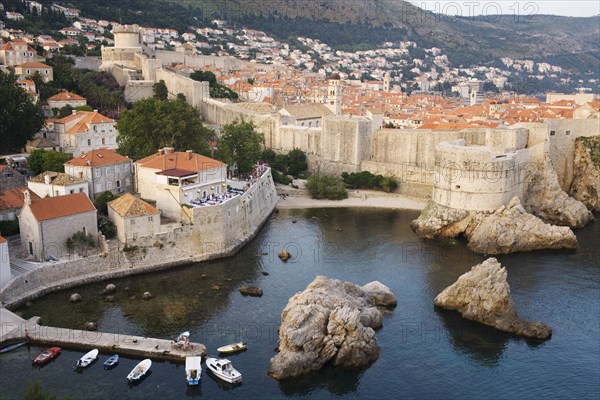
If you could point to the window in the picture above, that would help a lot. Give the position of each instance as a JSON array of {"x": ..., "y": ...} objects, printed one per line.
[
  {"x": 89, "y": 142},
  {"x": 56, "y": 193},
  {"x": 119, "y": 184},
  {"x": 132, "y": 222},
  {"x": 568, "y": 133},
  {"x": 552, "y": 133},
  {"x": 108, "y": 185},
  {"x": 84, "y": 230},
  {"x": 98, "y": 172},
  {"x": 71, "y": 191},
  {"x": 80, "y": 190},
  {"x": 103, "y": 141},
  {"x": 150, "y": 218},
  {"x": 95, "y": 128}
]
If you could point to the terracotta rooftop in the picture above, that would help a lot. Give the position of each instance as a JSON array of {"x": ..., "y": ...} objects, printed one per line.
[
  {"x": 57, "y": 178},
  {"x": 60, "y": 206},
  {"x": 13, "y": 198},
  {"x": 66, "y": 96},
  {"x": 130, "y": 206},
  {"x": 97, "y": 158},
  {"x": 2, "y": 240},
  {"x": 170, "y": 159},
  {"x": 34, "y": 65}
]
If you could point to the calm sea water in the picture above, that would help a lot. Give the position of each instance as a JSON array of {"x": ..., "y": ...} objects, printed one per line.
[{"x": 427, "y": 353}]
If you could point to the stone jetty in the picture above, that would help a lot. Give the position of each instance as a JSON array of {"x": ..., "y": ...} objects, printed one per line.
[{"x": 14, "y": 328}]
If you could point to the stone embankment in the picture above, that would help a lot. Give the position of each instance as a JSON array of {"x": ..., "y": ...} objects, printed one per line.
[
  {"x": 330, "y": 322},
  {"x": 483, "y": 295},
  {"x": 586, "y": 182}
]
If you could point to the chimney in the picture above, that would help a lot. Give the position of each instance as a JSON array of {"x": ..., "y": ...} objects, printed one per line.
[
  {"x": 169, "y": 150},
  {"x": 74, "y": 112},
  {"x": 161, "y": 152},
  {"x": 27, "y": 197},
  {"x": 188, "y": 154},
  {"x": 47, "y": 179}
]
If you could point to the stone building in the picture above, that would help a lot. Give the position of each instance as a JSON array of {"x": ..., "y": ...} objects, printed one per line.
[
  {"x": 51, "y": 184},
  {"x": 47, "y": 223},
  {"x": 104, "y": 170},
  {"x": 17, "y": 52},
  {"x": 174, "y": 178},
  {"x": 11, "y": 203},
  {"x": 84, "y": 131},
  {"x": 133, "y": 217},
  {"x": 64, "y": 99},
  {"x": 29, "y": 68}
]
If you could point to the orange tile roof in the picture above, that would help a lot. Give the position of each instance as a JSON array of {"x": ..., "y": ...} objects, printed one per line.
[
  {"x": 7, "y": 46},
  {"x": 33, "y": 64},
  {"x": 66, "y": 96},
  {"x": 14, "y": 198},
  {"x": 93, "y": 117},
  {"x": 60, "y": 206},
  {"x": 130, "y": 206},
  {"x": 97, "y": 158},
  {"x": 2, "y": 240},
  {"x": 179, "y": 160}
]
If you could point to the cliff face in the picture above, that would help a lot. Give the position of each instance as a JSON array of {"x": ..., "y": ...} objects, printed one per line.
[
  {"x": 586, "y": 182},
  {"x": 545, "y": 198},
  {"x": 330, "y": 322},
  {"x": 483, "y": 295}
]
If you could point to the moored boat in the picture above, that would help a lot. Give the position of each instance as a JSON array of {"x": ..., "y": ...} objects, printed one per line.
[
  {"x": 12, "y": 347},
  {"x": 223, "y": 369},
  {"x": 46, "y": 355},
  {"x": 111, "y": 362},
  {"x": 193, "y": 370},
  {"x": 183, "y": 340},
  {"x": 140, "y": 370},
  {"x": 87, "y": 359},
  {"x": 232, "y": 348}
]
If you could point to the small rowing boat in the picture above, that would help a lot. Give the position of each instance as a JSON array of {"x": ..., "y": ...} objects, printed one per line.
[
  {"x": 140, "y": 370},
  {"x": 111, "y": 362},
  {"x": 12, "y": 347},
  {"x": 232, "y": 348}
]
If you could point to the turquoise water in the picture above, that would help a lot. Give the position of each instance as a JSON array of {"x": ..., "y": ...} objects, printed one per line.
[{"x": 426, "y": 353}]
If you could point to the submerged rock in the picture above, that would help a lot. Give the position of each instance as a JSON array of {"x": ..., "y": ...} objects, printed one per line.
[
  {"x": 483, "y": 295},
  {"x": 110, "y": 288},
  {"x": 251, "y": 291},
  {"x": 90, "y": 326},
  {"x": 512, "y": 229},
  {"x": 284, "y": 255},
  {"x": 330, "y": 322},
  {"x": 147, "y": 296},
  {"x": 75, "y": 297}
]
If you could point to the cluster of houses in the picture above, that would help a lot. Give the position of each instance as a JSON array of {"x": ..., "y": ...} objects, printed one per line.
[{"x": 54, "y": 206}]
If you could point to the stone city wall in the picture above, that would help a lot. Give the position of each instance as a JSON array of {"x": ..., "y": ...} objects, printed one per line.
[
  {"x": 218, "y": 231},
  {"x": 195, "y": 92}
]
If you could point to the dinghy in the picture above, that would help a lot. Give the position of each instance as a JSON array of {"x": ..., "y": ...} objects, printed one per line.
[
  {"x": 46, "y": 355},
  {"x": 140, "y": 370},
  {"x": 111, "y": 362},
  {"x": 232, "y": 348},
  {"x": 193, "y": 370},
  {"x": 87, "y": 359},
  {"x": 11, "y": 347},
  {"x": 223, "y": 369}
]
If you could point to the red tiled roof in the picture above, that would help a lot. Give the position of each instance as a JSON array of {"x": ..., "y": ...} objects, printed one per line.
[
  {"x": 33, "y": 64},
  {"x": 130, "y": 206},
  {"x": 2, "y": 240},
  {"x": 14, "y": 198},
  {"x": 178, "y": 160},
  {"x": 61, "y": 206},
  {"x": 65, "y": 96},
  {"x": 97, "y": 158}
]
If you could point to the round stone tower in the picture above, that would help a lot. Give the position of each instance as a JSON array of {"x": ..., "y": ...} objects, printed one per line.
[{"x": 127, "y": 36}]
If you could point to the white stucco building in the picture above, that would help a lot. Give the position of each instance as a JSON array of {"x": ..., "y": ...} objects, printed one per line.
[
  {"x": 51, "y": 184},
  {"x": 84, "y": 131}
]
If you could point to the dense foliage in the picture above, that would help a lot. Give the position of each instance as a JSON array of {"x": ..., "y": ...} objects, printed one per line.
[
  {"x": 367, "y": 180},
  {"x": 20, "y": 118},
  {"x": 47, "y": 160},
  {"x": 153, "y": 124},
  {"x": 9, "y": 228},
  {"x": 107, "y": 228},
  {"x": 102, "y": 200},
  {"x": 80, "y": 243},
  {"x": 160, "y": 90},
  {"x": 293, "y": 163},
  {"x": 240, "y": 143},
  {"x": 328, "y": 187},
  {"x": 217, "y": 91}
]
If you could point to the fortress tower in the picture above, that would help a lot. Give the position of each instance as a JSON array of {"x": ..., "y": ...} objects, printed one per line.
[{"x": 127, "y": 44}]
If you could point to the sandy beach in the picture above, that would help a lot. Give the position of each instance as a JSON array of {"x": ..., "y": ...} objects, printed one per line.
[{"x": 356, "y": 198}]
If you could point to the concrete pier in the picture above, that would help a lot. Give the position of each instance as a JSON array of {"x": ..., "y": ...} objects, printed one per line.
[{"x": 14, "y": 328}]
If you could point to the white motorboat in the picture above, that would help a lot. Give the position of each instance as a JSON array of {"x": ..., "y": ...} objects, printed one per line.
[
  {"x": 223, "y": 369},
  {"x": 87, "y": 359},
  {"x": 193, "y": 370},
  {"x": 232, "y": 348},
  {"x": 140, "y": 370}
]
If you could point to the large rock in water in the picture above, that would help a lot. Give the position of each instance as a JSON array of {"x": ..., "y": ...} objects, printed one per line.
[
  {"x": 330, "y": 322},
  {"x": 439, "y": 221},
  {"x": 483, "y": 295},
  {"x": 512, "y": 229},
  {"x": 586, "y": 180}
]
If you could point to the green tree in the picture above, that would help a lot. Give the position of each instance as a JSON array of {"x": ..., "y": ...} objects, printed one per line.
[
  {"x": 101, "y": 201},
  {"x": 47, "y": 160},
  {"x": 296, "y": 162},
  {"x": 20, "y": 118},
  {"x": 241, "y": 144},
  {"x": 160, "y": 90},
  {"x": 81, "y": 243},
  {"x": 108, "y": 229},
  {"x": 153, "y": 124},
  {"x": 65, "y": 111},
  {"x": 328, "y": 187}
]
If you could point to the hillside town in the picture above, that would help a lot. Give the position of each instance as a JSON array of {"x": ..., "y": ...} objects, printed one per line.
[{"x": 130, "y": 149}]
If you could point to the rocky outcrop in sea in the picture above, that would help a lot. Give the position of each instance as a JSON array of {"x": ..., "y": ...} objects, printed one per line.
[
  {"x": 483, "y": 295},
  {"x": 330, "y": 322}
]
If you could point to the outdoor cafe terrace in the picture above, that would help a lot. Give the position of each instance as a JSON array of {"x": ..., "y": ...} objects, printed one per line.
[{"x": 235, "y": 188}]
